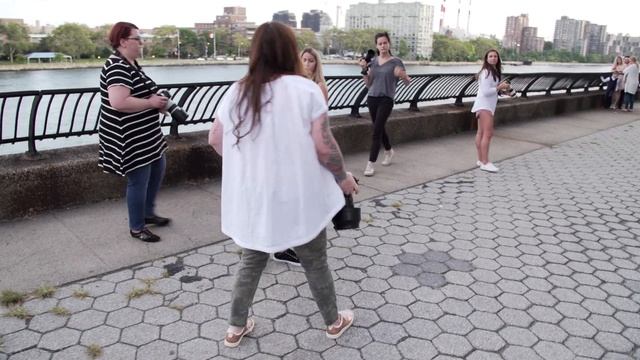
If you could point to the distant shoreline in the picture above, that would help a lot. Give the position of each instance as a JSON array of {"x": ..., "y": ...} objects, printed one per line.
[
  {"x": 184, "y": 62},
  {"x": 193, "y": 62}
]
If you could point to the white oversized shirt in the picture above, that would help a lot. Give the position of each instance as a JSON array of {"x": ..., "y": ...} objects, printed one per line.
[
  {"x": 487, "y": 97},
  {"x": 275, "y": 192}
]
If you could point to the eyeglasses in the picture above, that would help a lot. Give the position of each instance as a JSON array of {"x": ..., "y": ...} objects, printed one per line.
[{"x": 136, "y": 38}]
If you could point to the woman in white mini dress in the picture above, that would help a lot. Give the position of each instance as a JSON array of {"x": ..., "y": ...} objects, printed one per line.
[{"x": 489, "y": 85}]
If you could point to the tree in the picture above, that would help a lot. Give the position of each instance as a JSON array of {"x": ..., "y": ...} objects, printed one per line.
[
  {"x": 100, "y": 39},
  {"x": 240, "y": 42},
  {"x": 403, "y": 49},
  {"x": 188, "y": 43},
  {"x": 16, "y": 39},
  {"x": 306, "y": 38},
  {"x": 481, "y": 45},
  {"x": 73, "y": 39},
  {"x": 449, "y": 49},
  {"x": 165, "y": 41}
]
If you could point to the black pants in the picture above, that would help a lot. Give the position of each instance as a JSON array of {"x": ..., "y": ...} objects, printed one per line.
[{"x": 379, "y": 109}]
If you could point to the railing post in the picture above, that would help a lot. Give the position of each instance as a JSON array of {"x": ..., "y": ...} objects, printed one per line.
[
  {"x": 31, "y": 142},
  {"x": 550, "y": 88},
  {"x": 413, "y": 105},
  {"x": 529, "y": 85},
  {"x": 173, "y": 129}
]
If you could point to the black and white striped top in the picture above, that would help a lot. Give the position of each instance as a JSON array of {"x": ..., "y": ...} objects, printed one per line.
[{"x": 127, "y": 140}]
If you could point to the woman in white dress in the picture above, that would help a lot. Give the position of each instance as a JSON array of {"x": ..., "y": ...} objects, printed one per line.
[{"x": 484, "y": 107}]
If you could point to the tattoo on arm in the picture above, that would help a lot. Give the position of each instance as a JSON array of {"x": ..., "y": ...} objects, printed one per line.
[{"x": 334, "y": 161}]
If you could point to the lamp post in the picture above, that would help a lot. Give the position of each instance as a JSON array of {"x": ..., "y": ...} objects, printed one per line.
[
  {"x": 178, "y": 47},
  {"x": 213, "y": 37}
]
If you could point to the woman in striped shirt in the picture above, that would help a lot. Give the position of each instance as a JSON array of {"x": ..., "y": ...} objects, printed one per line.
[{"x": 131, "y": 141}]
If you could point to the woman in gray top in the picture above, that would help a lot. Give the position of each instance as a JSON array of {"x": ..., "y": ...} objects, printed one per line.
[{"x": 382, "y": 75}]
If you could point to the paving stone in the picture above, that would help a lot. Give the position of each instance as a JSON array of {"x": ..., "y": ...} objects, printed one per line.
[
  {"x": 277, "y": 344},
  {"x": 20, "y": 340},
  {"x": 124, "y": 317},
  {"x": 46, "y": 322},
  {"x": 59, "y": 339},
  {"x": 518, "y": 336},
  {"x": 102, "y": 335},
  {"x": 314, "y": 340},
  {"x": 140, "y": 334},
  {"x": 552, "y": 350},
  {"x": 31, "y": 354},
  {"x": 549, "y": 332},
  {"x": 485, "y": 340},
  {"x": 520, "y": 353},
  {"x": 584, "y": 347},
  {"x": 197, "y": 349},
  {"x": 380, "y": 351},
  {"x": 87, "y": 319},
  {"x": 158, "y": 350},
  {"x": 73, "y": 352},
  {"x": 452, "y": 344},
  {"x": 199, "y": 313},
  {"x": 179, "y": 331},
  {"x": 387, "y": 333},
  {"x": 337, "y": 353},
  {"x": 417, "y": 349},
  {"x": 355, "y": 337}
]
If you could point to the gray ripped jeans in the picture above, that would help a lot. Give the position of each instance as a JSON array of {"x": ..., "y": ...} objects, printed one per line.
[{"x": 313, "y": 258}]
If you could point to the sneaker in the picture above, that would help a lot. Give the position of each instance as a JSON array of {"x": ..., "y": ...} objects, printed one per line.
[
  {"x": 288, "y": 256},
  {"x": 232, "y": 339},
  {"x": 157, "y": 220},
  {"x": 145, "y": 235},
  {"x": 346, "y": 320},
  {"x": 369, "y": 171},
  {"x": 388, "y": 155},
  {"x": 489, "y": 167},
  {"x": 478, "y": 163}
]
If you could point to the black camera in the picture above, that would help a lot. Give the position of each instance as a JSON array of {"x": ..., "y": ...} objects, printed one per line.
[
  {"x": 367, "y": 58},
  {"x": 348, "y": 217},
  {"x": 172, "y": 108},
  {"x": 511, "y": 92}
]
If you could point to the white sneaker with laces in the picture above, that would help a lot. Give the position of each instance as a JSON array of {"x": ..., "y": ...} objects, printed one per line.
[
  {"x": 489, "y": 167},
  {"x": 369, "y": 171},
  {"x": 387, "y": 157}
]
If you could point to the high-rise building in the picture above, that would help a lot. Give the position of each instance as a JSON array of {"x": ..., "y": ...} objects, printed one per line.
[
  {"x": 286, "y": 17},
  {"x": 408, "y": 21},
  {"x": 569, "y": 34},
  {"x": 596, "y": 39},
  {"x": 316, "y": 20},
  {"x": 513, "y": 31},
  {"x": 232, "y": 15},
  {"x": 622, "y": 45},
  {"x": 530, "y": 41}
]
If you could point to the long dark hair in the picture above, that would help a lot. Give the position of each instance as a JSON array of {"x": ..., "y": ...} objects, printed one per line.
[
  {"x": 274, "y": 52},
  {"x": 379, "y": 35},
  {"x": 495, "y": 71}
]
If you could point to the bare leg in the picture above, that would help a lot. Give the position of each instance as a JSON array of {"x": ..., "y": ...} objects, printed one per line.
[
  {"x": 484, "y": 135},
  {"x": 478, "y": 137}
]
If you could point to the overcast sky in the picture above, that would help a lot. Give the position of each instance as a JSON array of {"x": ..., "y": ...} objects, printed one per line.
[{"x": 487, "y": 16}]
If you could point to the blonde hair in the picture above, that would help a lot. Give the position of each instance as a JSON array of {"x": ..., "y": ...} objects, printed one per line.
[{"x": 317, "y": 76}]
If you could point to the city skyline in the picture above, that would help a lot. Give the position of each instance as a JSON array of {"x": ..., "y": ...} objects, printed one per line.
[{"x": 487, "y": 17}]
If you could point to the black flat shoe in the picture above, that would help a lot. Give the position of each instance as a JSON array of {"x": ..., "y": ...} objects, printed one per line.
[
  {"x": 157, "y": 221},
  {"x": 145, "y": 235}
]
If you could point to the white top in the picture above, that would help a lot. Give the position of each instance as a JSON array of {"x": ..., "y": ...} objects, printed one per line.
[
  {"x": 487, "y": 97},
  {"x": 275, "y": 192},
  {"x": 631, "y": 79}
]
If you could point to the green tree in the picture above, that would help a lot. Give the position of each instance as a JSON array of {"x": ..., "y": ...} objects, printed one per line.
[
  {"x": 165, "y": 41},
  {"x": 449, "y": 49},
  {"x": 403, "y": 49},
  {"x": 15, "y": 39},
  {"x": 100, "y": 39},
  {"x": 73, "y": 39},
  {"x": 333, "y": 41},
  {"x": 189, "y": 43},
  {"x": 240, "y": 42},
  {"x": 481, "y": 45},
  {"x": 307, "y": 38}
]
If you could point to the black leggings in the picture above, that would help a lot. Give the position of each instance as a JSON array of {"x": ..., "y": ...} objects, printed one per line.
[{"x": 379, "y": 109}]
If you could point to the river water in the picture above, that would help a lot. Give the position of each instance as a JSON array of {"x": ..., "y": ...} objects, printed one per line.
[{"x": 88, "y": 77}]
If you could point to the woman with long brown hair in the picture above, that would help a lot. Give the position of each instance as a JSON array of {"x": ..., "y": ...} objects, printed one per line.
[
  {"x": 484, "y": 106},
  {"x": 283, "y": 175}
]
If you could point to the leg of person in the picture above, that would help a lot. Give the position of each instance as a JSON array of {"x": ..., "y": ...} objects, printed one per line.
[
  {"x": 614, "y": 99},
  {"x": 248, "y": 275},
  {"x": 384, "y": 111},
  {"x": 313, "y": 257},
  {"x": 485, "y": 122},
  {"x": 479, "y": 162},
  {"x": 625, "y": 101},
  {"x": 373, "y": 103},
  {"x": 137, "y": 183},
  {"x": 155, "y": 180},
  {"x": 620, "y": 98}
]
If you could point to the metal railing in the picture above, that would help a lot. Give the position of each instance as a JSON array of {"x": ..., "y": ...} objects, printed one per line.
[{"x": 30, "y": 116}]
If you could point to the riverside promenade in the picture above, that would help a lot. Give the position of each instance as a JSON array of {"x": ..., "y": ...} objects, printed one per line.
[{"x": 538, "y": 261}]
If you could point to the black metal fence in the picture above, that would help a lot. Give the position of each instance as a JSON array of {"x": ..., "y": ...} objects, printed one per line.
[{"x": 30, "y": 116}]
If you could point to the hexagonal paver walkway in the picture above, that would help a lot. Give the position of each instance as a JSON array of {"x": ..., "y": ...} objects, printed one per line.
[{"x": 539, "y": 261}]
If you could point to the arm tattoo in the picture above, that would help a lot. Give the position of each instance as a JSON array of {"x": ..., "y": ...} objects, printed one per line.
[{"x": 334, "y": 161}]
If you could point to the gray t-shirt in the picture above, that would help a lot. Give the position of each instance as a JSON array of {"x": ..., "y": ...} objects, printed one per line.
[{"x": 383, "y": 81}]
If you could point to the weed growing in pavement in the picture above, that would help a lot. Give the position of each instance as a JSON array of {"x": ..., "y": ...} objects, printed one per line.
[
  {"x": 10, "y": 297},
  {"x": 44, "y": 291},
  {"x": 94, "y": 351}
]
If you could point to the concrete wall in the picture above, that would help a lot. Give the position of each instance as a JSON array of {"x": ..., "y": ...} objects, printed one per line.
[{"x": 69, "y": 177}]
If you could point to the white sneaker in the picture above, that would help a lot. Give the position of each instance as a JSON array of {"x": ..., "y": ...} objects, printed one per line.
[
  {"x": 387, "y": 157},
  {"x": 489, "y": 167},
  {"x": 369, "y": 171},
  {"x": 478, "y": 163}
]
